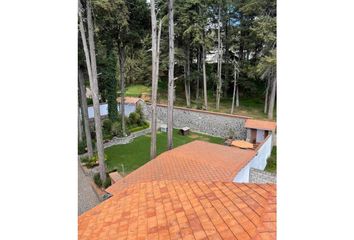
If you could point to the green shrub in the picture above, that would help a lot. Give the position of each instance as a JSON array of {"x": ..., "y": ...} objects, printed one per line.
[
  {"x": 84, "y": 159},
  {"x": 199, "y": 106},
  {"x": 81, "y": 147},
  {"x": 107, "y": 125},
  {"x": 134, "y": 117},
  {"x": 92, "y": 162},
  {"x": 139, "y": 110},
  {"x": 95, "y": 157},
  {"x": 98, "y": 181},
  {"x": 127, "y": 131},
  {"x": 116, "y": 129},
  {"x": 107, "y": 182},
  {"x": 107, "y": 136},
  {"x": 136, "y": 129}
]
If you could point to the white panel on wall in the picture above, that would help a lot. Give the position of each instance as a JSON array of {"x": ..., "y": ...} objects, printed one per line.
[
  {"x": 260, "y": 136},
  {"x": 129, "y": 108}
]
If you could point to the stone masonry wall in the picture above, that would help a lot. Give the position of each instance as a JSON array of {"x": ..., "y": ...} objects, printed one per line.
[
  {"x": 211, "y": 123},
  {"x": 259, "y": 176}
]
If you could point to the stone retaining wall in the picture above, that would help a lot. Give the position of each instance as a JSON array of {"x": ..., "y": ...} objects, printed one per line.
[
  {"x": 259, "y": 176},
  {"x": 211, "y": 123}
]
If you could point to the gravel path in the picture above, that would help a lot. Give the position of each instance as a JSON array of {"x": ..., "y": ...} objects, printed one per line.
[{"x": 87, "y": 197}]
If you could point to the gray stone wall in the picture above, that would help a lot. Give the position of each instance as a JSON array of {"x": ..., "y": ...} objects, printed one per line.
[
  {"x": 216, "y": 124},
  {"x": 259, "y": 176}
]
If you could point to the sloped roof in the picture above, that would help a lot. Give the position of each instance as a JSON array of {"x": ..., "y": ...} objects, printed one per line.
[
  {"x": 129, "y": 100},
  {"x": 260, "y": 124},
  {"x": 195, "y": 161},
  {"x": 182, "y": 209}
]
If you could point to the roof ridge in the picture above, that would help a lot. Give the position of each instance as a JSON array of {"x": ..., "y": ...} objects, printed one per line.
[{"x": 267, "y": 228}]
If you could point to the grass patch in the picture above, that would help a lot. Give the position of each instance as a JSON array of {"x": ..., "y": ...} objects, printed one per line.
[
  {"x": 137, "y": 153},
  {"x": 137, "y": 90},
  {"x": 272, "y": 161}
]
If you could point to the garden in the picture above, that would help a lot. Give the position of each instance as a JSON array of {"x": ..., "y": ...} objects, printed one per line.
[
  {"x": 110, "y": 129},
  {"x": 126, "y": 158}
]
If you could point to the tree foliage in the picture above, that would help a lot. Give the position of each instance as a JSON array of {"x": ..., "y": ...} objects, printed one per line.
[{"x": 248, "y": 36}]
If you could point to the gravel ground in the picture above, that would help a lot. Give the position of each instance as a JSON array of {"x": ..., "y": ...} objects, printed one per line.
[{"x": 87, "y": 197}]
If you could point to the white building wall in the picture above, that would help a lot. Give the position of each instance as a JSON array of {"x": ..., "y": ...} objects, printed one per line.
[
  {"x": 259, "y": 161},
  {"x": 129, "y": 108},
  {"x": 260, "y": 135}
]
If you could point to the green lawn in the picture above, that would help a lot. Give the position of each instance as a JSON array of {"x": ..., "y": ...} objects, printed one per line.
[
  {"x": 272, "y": 161},
  {"x": 136, "y": 90},
  {"x": 137, "y": 153}
]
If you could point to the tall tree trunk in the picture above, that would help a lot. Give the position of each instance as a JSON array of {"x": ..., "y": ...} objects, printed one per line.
[
  {"x": 266, "y": 97},
  {"x": 189, "y": 75},
  {"x": 94, "y": 88},
  {"x": 154, "y": 80},
  {"x": 198, "y": 76},
  {"x": 234, "y": 92},
  {"x": 272, "y": 99},
  {"x": 187, "y": 88},
  {"x": 171, "y": 63},
  {"x": 85, "y": 114},
  {"x": 205, "y": 92},
  {"x": 226, "y": 67},
  {"x": 122, "y": 85},
  {"x": 237, "y": 100},
  {"x": 80, "y": 125},
  {"x": 158, "y": 52},
  {"x": 218, "y": 85},
  {"x": 242, "y": 35}
]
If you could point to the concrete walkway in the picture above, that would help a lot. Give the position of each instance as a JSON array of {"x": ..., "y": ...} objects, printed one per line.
[{"x": 87, "y": 197}]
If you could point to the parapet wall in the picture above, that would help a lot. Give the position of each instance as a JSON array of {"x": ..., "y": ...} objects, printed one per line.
[
  {"x": 259, "y": 161},
  {"x": 211, "y": 123},
  {"x": 259, "y": 176}
]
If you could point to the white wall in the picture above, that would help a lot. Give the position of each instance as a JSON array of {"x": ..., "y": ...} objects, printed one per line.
[
  {"x": 259, "y": 161},
  {"x": 129, "y": 108},
  {"x": 260, "y": 135}
]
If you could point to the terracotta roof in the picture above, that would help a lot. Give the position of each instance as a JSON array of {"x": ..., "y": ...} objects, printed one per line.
[
  {"x": 129, "y": 100},
  {"x": 195, "y": 161},
  {"x": 188, "y": 210},
  {"x": 260, "y": 124}
]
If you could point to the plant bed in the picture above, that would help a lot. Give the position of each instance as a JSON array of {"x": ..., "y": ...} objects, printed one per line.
[
  {"x": 139, "y": 128},
  {"x": 99, "y": 183},
  {"x": 98, "y": 191}
]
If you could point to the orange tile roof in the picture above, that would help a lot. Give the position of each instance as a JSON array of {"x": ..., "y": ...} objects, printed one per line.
[
  {"x": 129, "y": 100},
  {"x": 195, "y": 161},
  {"x": 260, "y": 124},
  {"x": 181, "y": 209}
]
